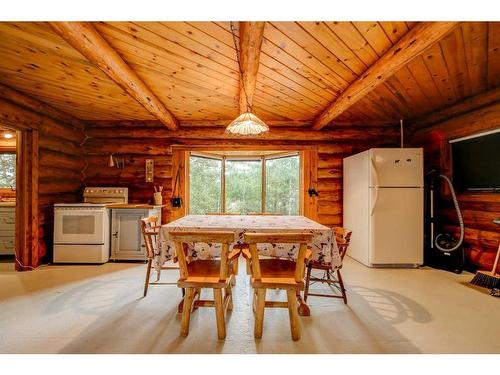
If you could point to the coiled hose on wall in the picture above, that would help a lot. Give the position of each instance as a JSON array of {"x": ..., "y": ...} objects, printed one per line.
[{"x": 460, "y": 219}]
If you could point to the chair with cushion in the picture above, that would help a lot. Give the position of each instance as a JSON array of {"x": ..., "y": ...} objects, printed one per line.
[
  {"x": 215, "y": 274},
  {"x": 343, "y": 238},
  {"x": 276, "y": 273},
  {"x": 150, "y": 233}
]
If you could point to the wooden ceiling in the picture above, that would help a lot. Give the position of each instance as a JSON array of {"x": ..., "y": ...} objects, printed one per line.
[{"x": 191, "y": 67}]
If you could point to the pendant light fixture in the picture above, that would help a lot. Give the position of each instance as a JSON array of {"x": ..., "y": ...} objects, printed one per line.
[{"x": 246, "y": 124}]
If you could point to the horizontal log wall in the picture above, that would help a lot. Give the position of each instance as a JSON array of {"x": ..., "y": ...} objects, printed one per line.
[
  {"x": 61, "y": 161},
  {"x": 60, "y": 175},
  {"x": 136, "y": 144},
  {"x": 482, "y": 237}
]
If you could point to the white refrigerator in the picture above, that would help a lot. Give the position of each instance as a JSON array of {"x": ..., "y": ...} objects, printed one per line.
[{"x": 384, "y": 206}]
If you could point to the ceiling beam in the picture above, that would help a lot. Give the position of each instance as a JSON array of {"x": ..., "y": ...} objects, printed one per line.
[
  {"x": 469, "y": 104},
  {"x": 292, "y": 134},
  {"x": 476, "y": 121},
  {"x": 251, "y": 36},
  {"x": 39, "y": 107},
  {"x": 418, "y": 39},
  {"x": 87, "y": 40}
]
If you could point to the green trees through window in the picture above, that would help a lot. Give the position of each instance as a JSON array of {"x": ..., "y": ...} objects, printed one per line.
[
  {"x": 243, "y": 189},
  {"x": 205, "y": 185},
  {"x": 282, "y": 185},
  {"x": 243, "y": 186},
  {"x": 7, "y": 170}
]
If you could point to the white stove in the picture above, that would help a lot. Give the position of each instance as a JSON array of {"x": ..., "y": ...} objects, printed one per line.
[{"x": 82, "y": 230}]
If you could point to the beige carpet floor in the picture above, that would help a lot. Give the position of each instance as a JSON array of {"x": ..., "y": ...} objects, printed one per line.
[{"x": 100, "y": 309}]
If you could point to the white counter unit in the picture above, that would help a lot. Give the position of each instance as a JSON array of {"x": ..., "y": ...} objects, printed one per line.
[
  {"x": 7, "y": 229},
  {"x": 126, "y": 238}
]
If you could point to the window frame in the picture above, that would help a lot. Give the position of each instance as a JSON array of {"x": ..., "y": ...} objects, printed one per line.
[{"x": 261, "y": 158}]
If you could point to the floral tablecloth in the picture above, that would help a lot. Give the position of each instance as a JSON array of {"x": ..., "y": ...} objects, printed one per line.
[{"x": 324, "y": 247}]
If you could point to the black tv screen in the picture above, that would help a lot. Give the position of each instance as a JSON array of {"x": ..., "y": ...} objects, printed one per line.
[{"x": 476, "y": 163}]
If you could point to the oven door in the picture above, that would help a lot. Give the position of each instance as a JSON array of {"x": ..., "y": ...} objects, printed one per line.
[{"x": 74, "y": 225}]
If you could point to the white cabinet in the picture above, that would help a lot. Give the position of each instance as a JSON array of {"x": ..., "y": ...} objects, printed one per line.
[
  {"x": 7, "y": 229},
  {"x": 126, "y": 238}
]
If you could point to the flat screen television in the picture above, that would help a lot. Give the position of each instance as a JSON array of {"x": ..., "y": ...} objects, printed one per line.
[{"x": 476, "y": 162}]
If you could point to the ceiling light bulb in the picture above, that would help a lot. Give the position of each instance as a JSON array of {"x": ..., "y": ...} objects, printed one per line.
[{"x": 8, "y": 135}]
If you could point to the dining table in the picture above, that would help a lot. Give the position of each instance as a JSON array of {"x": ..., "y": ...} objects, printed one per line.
[{"x": 323, "y": 245}]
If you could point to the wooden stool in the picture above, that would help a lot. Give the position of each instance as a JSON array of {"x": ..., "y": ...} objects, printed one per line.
[
  {"x": 277, "y": 274},
  {"x": 198, "y": 274}
]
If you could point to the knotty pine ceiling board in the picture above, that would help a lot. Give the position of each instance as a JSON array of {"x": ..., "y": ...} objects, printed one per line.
[
  {"x": 36, "y": 61},
  {"x": 464, "y": 63}
]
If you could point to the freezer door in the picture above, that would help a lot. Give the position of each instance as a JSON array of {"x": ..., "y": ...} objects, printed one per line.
[
  {"x": 396, "y": 226},
  {"x": 396, "y": 167}
]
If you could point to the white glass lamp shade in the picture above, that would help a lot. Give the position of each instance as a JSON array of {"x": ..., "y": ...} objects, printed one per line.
[{"x": 247, "y": 124}]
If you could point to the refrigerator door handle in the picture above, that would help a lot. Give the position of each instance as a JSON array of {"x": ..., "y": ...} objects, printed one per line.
[{"x": 374, "y": 169}]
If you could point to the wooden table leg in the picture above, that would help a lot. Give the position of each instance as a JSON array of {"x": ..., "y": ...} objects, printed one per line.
[{"x": 303, "y": 309}]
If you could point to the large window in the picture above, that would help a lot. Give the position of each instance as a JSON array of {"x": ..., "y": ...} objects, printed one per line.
[
  {"x": 243, "y": 184},
  {"x": 205, "y": 185},
  {"x": 7, "y": 170},
  {"x": 282, "y": 185}
]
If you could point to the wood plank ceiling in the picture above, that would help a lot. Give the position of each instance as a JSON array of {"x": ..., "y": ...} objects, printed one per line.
[{"x": 191, "y": 67}]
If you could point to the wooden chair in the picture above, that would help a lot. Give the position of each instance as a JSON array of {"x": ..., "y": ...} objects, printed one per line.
[
  {"x": 343, "y": 238},
  {"x": 276, "y": 273},
  {"x": 198, "y": 274},
  {"x": 150, "y": 232}
]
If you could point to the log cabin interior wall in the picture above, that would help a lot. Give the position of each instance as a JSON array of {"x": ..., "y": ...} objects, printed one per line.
[
  {"x": 136, "y": 89},
  {"x": 478, "y": 209},
  {"x": 60, "y": 162},
  {"x": 137, "y": 143}
]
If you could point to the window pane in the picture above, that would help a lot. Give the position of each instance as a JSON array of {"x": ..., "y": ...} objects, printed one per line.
[
  {"x": 204, "y": 185},
  {"x": 243, "y": 186},
  {"x": 282, "y": 185},
  {"x": 7, "y": 170}
]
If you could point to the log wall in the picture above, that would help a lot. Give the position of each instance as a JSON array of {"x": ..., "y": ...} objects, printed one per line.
[
  {"x": 60, "y": 175},
  {"x": 136, "y": 144},
  {"x": 60, "y": 160},
  {"x": 482, "y": 237}
]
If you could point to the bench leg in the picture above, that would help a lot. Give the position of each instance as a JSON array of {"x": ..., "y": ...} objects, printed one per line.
[
  {"x": 259, "y": 313},
  {"x": 292, "y": 311},
  {"x": 186, "y": 311},
  {"x": 219, "y": 313},
  {"x": 308, "y": 281}
]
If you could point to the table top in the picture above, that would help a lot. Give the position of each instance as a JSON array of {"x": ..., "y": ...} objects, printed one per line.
[
  {"x": 323, "y": 245},
  {"x": 249, "y": 222}
]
